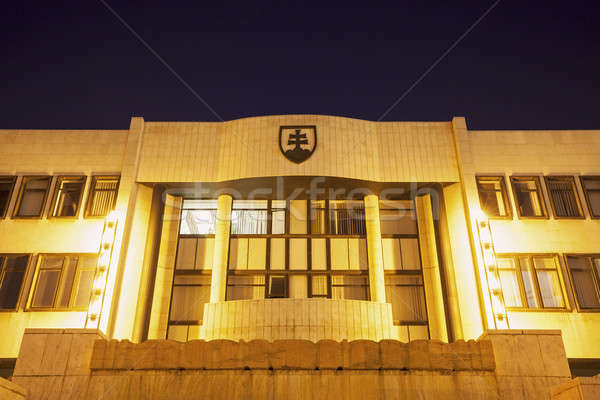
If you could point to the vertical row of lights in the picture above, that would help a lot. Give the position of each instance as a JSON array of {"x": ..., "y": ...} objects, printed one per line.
[
  {"x": 104, "y": 259},
  {"x": 491, "y": 271}
]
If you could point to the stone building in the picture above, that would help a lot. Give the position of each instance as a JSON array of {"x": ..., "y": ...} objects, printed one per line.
[{"x": 300, "y": 256}]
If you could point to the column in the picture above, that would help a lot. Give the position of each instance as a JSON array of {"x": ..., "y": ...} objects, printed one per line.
[
  {"x": 374, "y": 249},
  {"x": 218, "y": 283}
]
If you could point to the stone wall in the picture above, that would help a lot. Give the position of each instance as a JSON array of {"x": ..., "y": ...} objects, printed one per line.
[{"x": 11, "y": 391}]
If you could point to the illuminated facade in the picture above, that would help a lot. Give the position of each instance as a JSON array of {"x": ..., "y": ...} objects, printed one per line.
[{"x": 301, "y": 227}]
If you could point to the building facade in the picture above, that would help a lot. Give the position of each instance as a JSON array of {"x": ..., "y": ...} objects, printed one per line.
[{"x": 301, "y": 227}]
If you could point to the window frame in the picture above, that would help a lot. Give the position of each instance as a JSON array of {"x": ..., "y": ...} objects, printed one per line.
[
  {"x": 503, "y": 191},
  {"x": 595, "y": 277},
  {"x": 3, "y": 273},
  {"x": 542, "y": 200},
  {"x": 17, "y": 206},
  {"x": 571, "y": 180},
  {"x": 58, "y": 181},
  {"x": 582, "y": 179},
  {"x": 12, "y": 180},
  {"x": 536, "y": 288},
  {"x": 92, "y": 190},
  {"x": 34, "y": 283}
]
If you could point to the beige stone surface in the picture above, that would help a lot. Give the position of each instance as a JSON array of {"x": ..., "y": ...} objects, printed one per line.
[{"x": 11, "y": 391}]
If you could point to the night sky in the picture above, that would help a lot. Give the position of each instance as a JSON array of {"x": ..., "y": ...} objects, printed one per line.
[{"x": 525, "y": 65}]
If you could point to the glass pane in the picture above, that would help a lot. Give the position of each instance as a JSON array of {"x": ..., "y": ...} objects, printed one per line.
[
  {"x": 408, "y": 302},
  {"x": 52, "y": 262},
  {"x": 5, "y": 191},
  {"x": 188, "y": 302},
  {"x": 46, "y": 288},
  {"x": 245, "y": 287},
  {"x": 532, "y": 301},
  {"x": 31, "y": 204},
  {"x": 319, "y": 285},
  {"x": 254, "y": 204},
  {"x": 37, "y": 183},
  {"x": 277, "y": 287},
  {"x": 585, "y": 289},
  {"x": 550, "y": 289},
  {"x": 398, "y": 222},
  {"x": 490, "y": 196},
  {"x": 178, "y": 333},
  {"x": 203, "y": 279},
  {"x": 594, "y": 198},
  {"x": 248, "y": 222},
  {"x": 11, "y": 283},
  {"x": 278, "y": 222},
  {"x": 346, "y": 221},
  {"x": 510, "y": 288},
  {"x": 317, "y": 217},
  {"x": 200, "y": 204},
  {"x": 563, "y": 197},
  {"x": 597, "y": 267},
  {"x": 103, "y": 196},
  {"x": 186, "y": 253},
  {"x": 298, "y": 287},
  {"x": 544, "y": 262},
  {"x": 350, "y": 287},
  {"x": 67, "y": 281},
  {"x": 67, "y": 201},
  {"x": 528, "y": 200},
  {"x": 410, "y": 254},
  {"x": 84, "y": 288},
  {"x": 198, "y": 222}
]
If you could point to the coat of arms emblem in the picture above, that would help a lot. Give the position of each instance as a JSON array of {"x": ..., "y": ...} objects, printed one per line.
[{"x": 297, "y": 143}]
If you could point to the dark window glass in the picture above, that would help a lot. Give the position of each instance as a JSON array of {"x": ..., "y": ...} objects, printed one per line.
[
  {"x": 591, "y": 186},
  {"x": 563, "y": 195},
  {"x": 528, "y": 196},
  {"x": 277, "y": 286},
  {"x": 406, "y": 293},
  {"x": 345, "y": 217},
  {"x": 492, "y": 196},
  {"x": 33, "y": 194},
  {"x": 67, "y": 196},
  {"x": 103, "y": 195},
  {"x": 350, "y": 287},
  {"x": 12, "y": 272},
  {"x": 6, "y": 188},
  {"x": 585, "y": 274},
  {"x": 64, "y": 282}
]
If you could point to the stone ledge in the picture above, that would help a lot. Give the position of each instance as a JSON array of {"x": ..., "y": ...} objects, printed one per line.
[
  {"x": 10, "y": 390},
  {"x": 294, "y": 354}
]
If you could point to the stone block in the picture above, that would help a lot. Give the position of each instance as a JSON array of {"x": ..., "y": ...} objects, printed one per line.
[
  {"x": 438, "y": 355},
  {"x": 82, "y": 348},
  {"x": 222, "y": 354},
  {"x": 255, "y": 354},
  {"x": 554, "y": 356},
  {"x": 418, "y": 355},
  {"x": 56, "y": 354},
  {"x": 475, "y": 351},
  {"x": 194, "y": 354},
  {"x": 364, "y": 354},
  {"x": 11, "y": 391},
  {"x": 293, "y": 354},
  {"x": 169, "y": 354},
  {"x": 329, "y": 354},
  {"x": 98, "y": 350},
  {"x": 459, "y": 351},
  {"x": 145, "y": 354},
  {"x": 124, "y": 355},
  {"x": 110, "y": 354},
  {"x": 30, "y": 354},
  {"x": 394, "y": 354},
  {"x": 488, "y": 362}
]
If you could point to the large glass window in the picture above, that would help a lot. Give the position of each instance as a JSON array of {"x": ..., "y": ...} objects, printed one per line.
[
  {"x": 528, "y": 196},
  {"x": 493, "y": 198},
  {"x": 63, "y": 281},
  {"x": 249, "y": 217},
  {"x": 337, "y": 217},
  {"x": 7, "y": 184},
  {"x": 407, "y": 295},
  {"x": 12, "y": 272},
  {"x": 68, "y": 194},
  {"x": 591, "y": 187},
  {"x": 563, "y": 197},
  {"x": 103, "y": 195},
  {"x": 585, "y": 274},
  {"x": 32, "y": 197},
  {"x": 531, "y": 281},
  {"x": 198, "y": 217}
]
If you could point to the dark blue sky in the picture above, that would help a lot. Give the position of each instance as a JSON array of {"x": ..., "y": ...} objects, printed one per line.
[{"x": 527, "y": 64}]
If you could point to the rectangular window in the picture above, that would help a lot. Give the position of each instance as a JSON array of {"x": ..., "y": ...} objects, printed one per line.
[
  {"x": 493, "y": 198},
  {"x": 591, "y": 187},
  {"x": 249, "y": 217},
  {"x": 563, "y": 197},
  {"x": 12, "y": 272},
  {"x": 63, "y": 281},
  {"x": 245, "y": 287},
  {"x": 407, "y": 295},
  {"x": 337, "y": 217},
  {"x": 397, "y": 217},
  {"x": 32, "y": 197},
  {"x": 350, "y": 287},
  {"x": 68, "y": 194},
  {"x": 7, "y": 184},
  {"x": 103, "y": 195},
  {"x": 585, "y": 274},
  {"x": 528, "y": 196},
  {"x": 531, "y": 281},
  {"x": 198, "y": 217}
]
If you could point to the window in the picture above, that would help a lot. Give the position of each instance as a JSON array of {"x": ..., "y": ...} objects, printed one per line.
[
  {"x": 528, "y": 196},
  {"x": 407, "y": 295},
  {"x": 350, "y": 287},
  {"x": 67, "y": 196},
  {"x": 249, "y": 217},
  {"x": 591, "y": 187},
  {"x": 103, "y": 195},
  {"x": 32, "y": 196},
  {"x": 531, "y": 281},
  {"x": 198, "y": 217},
  {"x": 563, "y": 197},
  {"x": 337, "y": 217},
  {"x": 585, "y": 274},
  {"x": 492, "y": 196},
  {"x": 63, "y": 281},
  {"x": 7, "y": 184},
  {"x": 397, "y": 217},
  {"x": 12, "y": 272}
]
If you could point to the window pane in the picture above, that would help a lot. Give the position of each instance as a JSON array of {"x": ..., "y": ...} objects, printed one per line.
[
  {"x": 402, "y": 221},
  {"x": 67, "y": 281},
  {"x": 12, "y": 281},
  {"x": 350, "y": 287},
  {"x": 277, "y": 287},
  {"x": 68, "y": 196},
  {"x": 178, "y": 333},
  {"x": 563, "y": 197},
  {"x": 46, "y": 288},
  {"x": 346, "y": 218},
  {"x": 529, "y": 288},
  {"x": 550, "y": 289},
  {"x": 407, "y": 297},
  {"x": 245, "y": 287},
  {"x": 198, "y": 222},
  {"x": 249, "y": 222},
  {"x": 32, "y": 199},
  {"x": 510, "y": 288},
  {"x": 104, "y": 194},
  {"x": 583, "y": 281},
  {"x": 52, "y": 262},
  {"x": 317, "y": 217},
  {"x": 298, "y": 286},
  {"x": 188, "y": 303},
  {"x": 319, "y": 285},
  {"x": 527, "y": 198},
  {"x": 278, "y": 223},
  {"x": 594, "y": 199},
  {"x": 6, "y": 186},
  {"x": 186, "y": 253},
  {"x": 84, "y": 288},
  {"x": 410, "y": 254}
]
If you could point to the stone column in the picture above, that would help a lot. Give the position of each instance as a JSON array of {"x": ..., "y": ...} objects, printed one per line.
[
  {"x": 221, "y": 250},
  {"x": 374, "y": 249}
]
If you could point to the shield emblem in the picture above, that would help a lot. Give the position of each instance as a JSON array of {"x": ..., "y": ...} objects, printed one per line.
[{"x": 297, "y": 143}]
